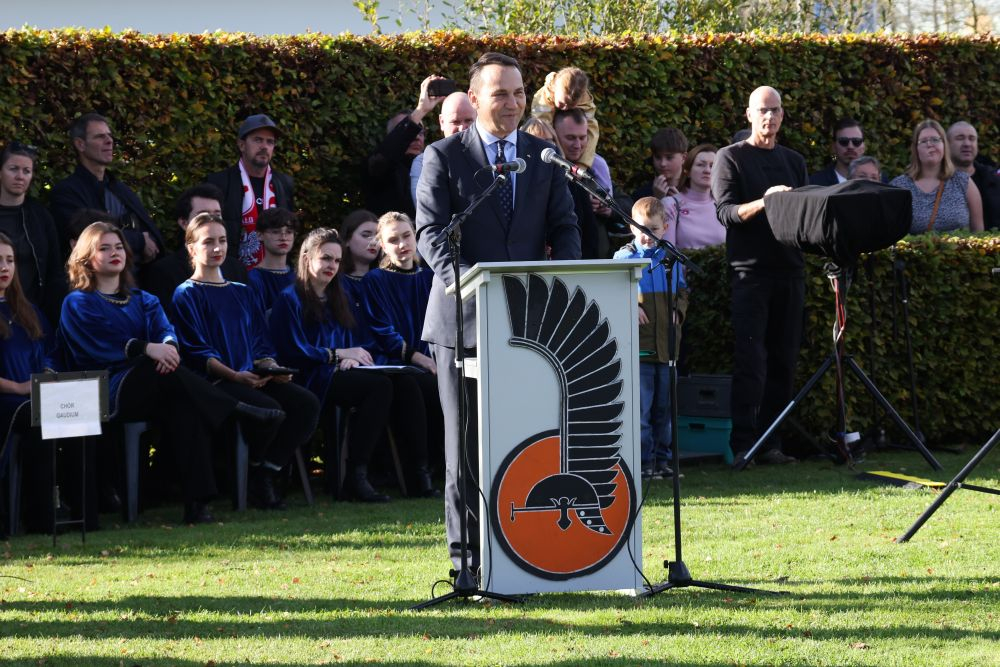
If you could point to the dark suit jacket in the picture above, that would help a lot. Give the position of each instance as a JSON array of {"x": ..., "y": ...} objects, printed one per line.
[
  {"x": 986, "y": 179},
  {"x": 81, "y": 189},
  {"x": 827, "y": 176},
  {"x": 452, "y": 176},
  {"x": 231, "y": 184}
]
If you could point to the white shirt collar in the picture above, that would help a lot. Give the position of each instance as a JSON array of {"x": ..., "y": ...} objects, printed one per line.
[{"x": 490, "y": 139}]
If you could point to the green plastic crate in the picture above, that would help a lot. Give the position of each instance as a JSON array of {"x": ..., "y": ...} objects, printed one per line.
[{"x": 705, "y": 435}]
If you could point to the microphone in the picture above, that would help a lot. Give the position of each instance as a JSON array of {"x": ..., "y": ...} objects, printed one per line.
[
  {"x": 550, "y": 156},
  {"x": 515, "y": 167}
]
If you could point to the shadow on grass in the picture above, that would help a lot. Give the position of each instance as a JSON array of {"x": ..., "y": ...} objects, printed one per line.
[
  {"x": 171, "y": 662},
  {"x": 171, "y": 617}
]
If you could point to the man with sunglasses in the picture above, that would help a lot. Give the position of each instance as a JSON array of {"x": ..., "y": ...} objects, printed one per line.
[{"x": 848, "y": 145}]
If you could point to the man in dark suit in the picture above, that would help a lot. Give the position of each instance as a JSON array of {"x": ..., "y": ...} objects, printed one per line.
[
  {"x": 250, "y": 186},
  {"x": 94, "y": 186},
  {"x": 847, "y": 145},
  {"x": 514, "y": 224},
  {"x": 163, "y": 277}
]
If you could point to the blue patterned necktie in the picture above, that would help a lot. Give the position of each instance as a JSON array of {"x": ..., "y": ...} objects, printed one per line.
[{"x": 505, "y": 191}]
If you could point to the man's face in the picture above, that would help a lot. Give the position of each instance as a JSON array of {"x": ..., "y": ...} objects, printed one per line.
[
  {"x": 457, "y": 114},
  {"x": 572, "y": 136},
  {"x": 765, "y": 113},
  {"x": 201, "y": 205},
  {"x": 98, "y": 147},
  {"x": 964, "y": 144},
  {"x": 499, "y": 99},
  {"x": 848, "y": 145},
  {"x": 257, "y": 148}
]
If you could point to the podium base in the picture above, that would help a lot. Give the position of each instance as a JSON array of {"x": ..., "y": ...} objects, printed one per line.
[{"x": 464, "y": 587}]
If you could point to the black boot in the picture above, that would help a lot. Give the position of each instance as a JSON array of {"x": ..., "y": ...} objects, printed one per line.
[
  {"x": 262, "y": 492},
  {"x": 361, "y": 489},
  {"x": 258, "y": 414},
  {"x": 423, "y": 484},
  {"x": 197, "y": 512}
]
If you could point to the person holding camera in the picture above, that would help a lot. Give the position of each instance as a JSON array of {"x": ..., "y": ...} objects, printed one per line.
[
  {"x": 94, "y": 186},
  {"x": 386, "y": 172}
]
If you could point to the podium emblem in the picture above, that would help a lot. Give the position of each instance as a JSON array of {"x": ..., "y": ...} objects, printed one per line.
[{"x": 563, "y": 500}]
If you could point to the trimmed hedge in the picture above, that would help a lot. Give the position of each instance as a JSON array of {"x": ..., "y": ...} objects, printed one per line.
[
  {"x": 175, "y": 102},
  {"x": 954, "y": 323}
]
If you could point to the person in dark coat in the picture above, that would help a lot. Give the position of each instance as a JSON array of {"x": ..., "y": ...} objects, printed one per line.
[{"x": 251, "y": 186}]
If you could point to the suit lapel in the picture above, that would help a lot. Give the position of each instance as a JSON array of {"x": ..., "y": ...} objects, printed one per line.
[{"x": 476, "y": 155}]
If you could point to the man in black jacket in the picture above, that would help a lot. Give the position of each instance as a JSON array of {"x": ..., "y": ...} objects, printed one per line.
[
  {"x": 250, "y": 186},
  {"x": 94, "y": 186},
  {"x": 963, "y": 142}
]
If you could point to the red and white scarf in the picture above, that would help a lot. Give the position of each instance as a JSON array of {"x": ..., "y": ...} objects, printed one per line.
[{"x": 251, "y": 249}]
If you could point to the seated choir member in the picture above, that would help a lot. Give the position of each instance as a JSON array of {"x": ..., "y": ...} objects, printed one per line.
[
  {"x": 276, "y": 228},
  {"x": 224, "y": 336},
  {"x": 397, "y": 293},
  {"x": 310, "y": 325},
  {"x": 108, "y": 324},
  {"x": 23, "y": 351}
]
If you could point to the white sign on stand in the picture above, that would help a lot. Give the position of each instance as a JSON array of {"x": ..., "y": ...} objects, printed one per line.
[{"x": 70, "y": 409}]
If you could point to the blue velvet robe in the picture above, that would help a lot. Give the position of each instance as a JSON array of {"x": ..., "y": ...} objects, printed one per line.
[
  {"x": 361, "y": 333},
  {"x": 93, "y": 332},
  {"x": 267, "y": 284},
  {"x": 19, "y": 358},
  {"x": 220, "y": 321},
  {"x": 397, "y": 303},
  {"x": 306, "y": 344}
]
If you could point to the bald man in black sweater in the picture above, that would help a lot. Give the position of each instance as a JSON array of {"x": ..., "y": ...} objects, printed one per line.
[{"x": 768, "y": 286}]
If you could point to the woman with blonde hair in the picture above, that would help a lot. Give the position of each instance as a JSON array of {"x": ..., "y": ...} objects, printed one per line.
[
  {"x": 107, "y": 323},
  {"x": 943, "y": 199}
]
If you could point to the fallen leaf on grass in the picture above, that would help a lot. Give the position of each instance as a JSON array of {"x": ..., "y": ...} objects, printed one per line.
[{"x": 859, "y": 645}]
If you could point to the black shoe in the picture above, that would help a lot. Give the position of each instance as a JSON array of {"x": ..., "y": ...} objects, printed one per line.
[
  {"x": 664, "y": 471},
  {"x": 197, "y": 512},
  {"x": 776, "y": 457},
  {"x": 109, "y": 500},
  {"x": 361, "y": 489},
  {"x": 262, "y": 492},
  {"x": 738, "y": 460},
  {"x": 423, "y": 486},
  {"x": 258, "y": 414}
]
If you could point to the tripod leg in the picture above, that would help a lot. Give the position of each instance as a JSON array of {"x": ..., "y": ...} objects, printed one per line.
[
  {"x": 742, "y": 462},
  {"x": 891, "y": 411},
  {"x": 952, "y": 486}
]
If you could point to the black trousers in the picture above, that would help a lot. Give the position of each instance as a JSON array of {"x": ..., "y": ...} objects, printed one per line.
[
  {"x": 767, "y": 322},
  {"x": 454, "y": 512},
  {"x": 369, "y": 394},
  {"x": 189, "y": 411},
  {"x": 270, "y": 443}
]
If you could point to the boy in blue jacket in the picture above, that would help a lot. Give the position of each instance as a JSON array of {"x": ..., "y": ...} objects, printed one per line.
[{"x": 654, "y": 332}]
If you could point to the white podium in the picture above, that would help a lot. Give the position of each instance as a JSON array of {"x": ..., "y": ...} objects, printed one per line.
[{"x": 559, "y": 436}]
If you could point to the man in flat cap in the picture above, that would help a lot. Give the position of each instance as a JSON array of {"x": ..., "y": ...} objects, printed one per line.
[{"x": 251, "y": 186}]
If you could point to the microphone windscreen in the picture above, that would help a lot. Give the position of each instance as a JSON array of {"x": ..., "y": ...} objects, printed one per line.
[
  {"x": 521, "y": 165},
  {"x": 547, "y": 155}
]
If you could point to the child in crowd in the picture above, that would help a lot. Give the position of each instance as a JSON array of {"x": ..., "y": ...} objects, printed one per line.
[
  {"x": 276, "y": 228},
  {"x": 569, "y": 88},
  {"x": 667, "y": 152},
  {"x": 654, "y": 335}
]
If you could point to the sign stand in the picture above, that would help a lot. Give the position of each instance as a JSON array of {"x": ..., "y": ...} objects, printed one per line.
[{"x": 69, "y": 405}]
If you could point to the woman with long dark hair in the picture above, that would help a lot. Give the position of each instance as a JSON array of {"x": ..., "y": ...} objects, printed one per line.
[
  {"x": 311, "y": 325},
  {"x": 224, "y": 336}
]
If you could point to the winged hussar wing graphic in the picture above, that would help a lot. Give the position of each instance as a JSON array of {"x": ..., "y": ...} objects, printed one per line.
[{"x": 574, "y": 338}]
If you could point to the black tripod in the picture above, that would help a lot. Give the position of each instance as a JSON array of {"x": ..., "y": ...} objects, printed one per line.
[
  {"x": 840, "y": 279},
  {"x": 464, "y": 585},
  {"x": 678, "y": 575}
]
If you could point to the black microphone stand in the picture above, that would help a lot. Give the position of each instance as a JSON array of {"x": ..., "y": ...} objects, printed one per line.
[
  {"x": 464, "y": 585},
  {"x": 678, "y": 575}
]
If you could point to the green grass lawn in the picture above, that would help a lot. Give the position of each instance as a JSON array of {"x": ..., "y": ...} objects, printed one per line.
[{"x": 331, "y": 584}]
